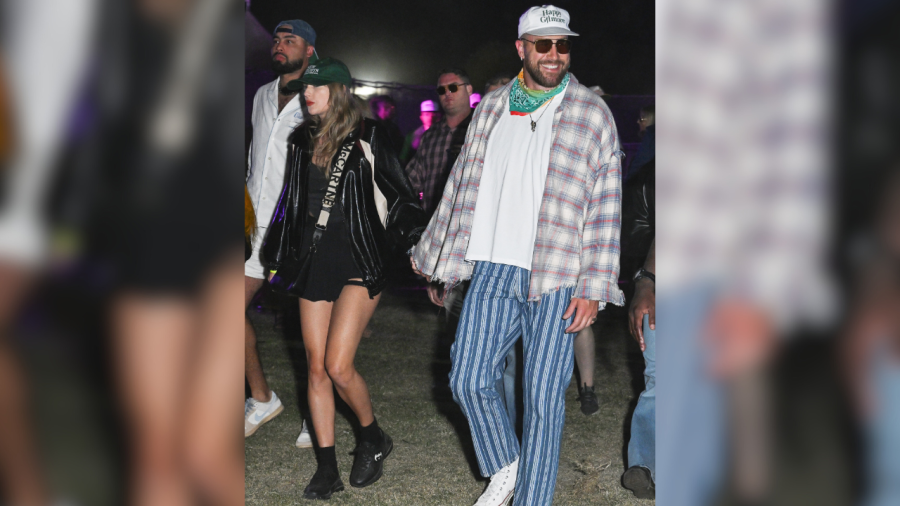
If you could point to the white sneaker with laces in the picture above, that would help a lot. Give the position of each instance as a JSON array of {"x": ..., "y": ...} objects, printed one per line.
[
  {"x": 257, "y": 413},
  {"x": 499, "y": 491},
  {"x": 303, "y": 440}
]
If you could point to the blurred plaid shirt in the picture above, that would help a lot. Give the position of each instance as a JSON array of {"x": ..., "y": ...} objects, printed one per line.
[
  {"x": 743, "y": 172},
  {"x": 426, "y": 168},
  {"x": 577, "y": 241}
]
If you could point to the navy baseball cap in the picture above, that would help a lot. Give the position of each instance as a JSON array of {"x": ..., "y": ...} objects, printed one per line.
[{"x": 299, "y": 28}]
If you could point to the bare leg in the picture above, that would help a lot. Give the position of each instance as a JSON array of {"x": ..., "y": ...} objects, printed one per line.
[
  {"x": 314, "y": 320},
  {"x": 349, "y": 317},
  {"x": 152, "y": 338},
  {"x": 584, "y": 356},
  {"x": 259, "y": 388},
  {"x": 20, "y": 474},
  {"x": 213, "y": 442},
  {"x": 330, "y": 352}
]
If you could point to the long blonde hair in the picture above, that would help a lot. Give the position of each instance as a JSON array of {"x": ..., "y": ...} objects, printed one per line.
[{"x": 341, "y": 118}]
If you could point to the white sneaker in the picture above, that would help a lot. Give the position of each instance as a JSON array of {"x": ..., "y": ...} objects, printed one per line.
[
  {"x": 500, "y": 491},
  {"x": 303, "y": 440},
  {"x": 257, "y": 413}
]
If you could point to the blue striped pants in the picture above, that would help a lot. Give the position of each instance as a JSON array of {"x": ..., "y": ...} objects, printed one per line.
[{"x": 496, "y": 312}]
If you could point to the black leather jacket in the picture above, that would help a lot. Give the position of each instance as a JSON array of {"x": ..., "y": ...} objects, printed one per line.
[
  {"x": 372, "y": 244},
  {"x": 638, "y": 217}
]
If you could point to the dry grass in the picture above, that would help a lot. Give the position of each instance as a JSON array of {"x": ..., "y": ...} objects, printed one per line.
[{"x": 405, "y": 363}]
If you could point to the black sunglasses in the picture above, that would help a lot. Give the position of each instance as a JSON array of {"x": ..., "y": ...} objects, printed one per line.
[
  {"x": 543, "y": 45},
  {"x": 450, "y": 87}
]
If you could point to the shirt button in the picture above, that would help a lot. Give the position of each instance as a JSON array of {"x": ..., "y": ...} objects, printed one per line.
[
  {"x": 266, "y": 178},
  {"x": 269, "y": 158}
]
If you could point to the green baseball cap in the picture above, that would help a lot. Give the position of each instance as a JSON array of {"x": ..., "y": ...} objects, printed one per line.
[{"x": 321, "y": 72}]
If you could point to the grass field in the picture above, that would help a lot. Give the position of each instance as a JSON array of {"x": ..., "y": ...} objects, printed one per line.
[{"x": 405, "y": 363}]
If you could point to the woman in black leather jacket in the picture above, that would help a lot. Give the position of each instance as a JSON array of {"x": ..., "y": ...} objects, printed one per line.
[{"x": 375, "y": 213}]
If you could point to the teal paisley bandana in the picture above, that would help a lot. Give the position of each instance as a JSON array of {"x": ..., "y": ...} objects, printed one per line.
[{"x": 523, "y": 101}]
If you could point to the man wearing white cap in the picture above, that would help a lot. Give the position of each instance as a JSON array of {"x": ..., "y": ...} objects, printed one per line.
[
  {"x": 530, "y": 213},
  {"x": 428, "y": 112}
]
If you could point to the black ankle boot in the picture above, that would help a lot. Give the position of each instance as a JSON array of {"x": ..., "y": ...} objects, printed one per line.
[
  {"x": 325, "y": 482},
  {"x": 369, "y": 462}
]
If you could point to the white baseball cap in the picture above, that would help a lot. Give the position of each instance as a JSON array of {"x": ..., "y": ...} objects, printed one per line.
[
  {"x": 427, "y": 106},
  {"x": 545, "y": 20}
]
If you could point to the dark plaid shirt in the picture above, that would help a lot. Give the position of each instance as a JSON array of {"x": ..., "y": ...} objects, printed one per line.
[{"x": 429, "y": 167}]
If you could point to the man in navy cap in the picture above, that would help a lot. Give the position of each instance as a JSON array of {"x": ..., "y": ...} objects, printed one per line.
[{"x": 276, "y": 112}]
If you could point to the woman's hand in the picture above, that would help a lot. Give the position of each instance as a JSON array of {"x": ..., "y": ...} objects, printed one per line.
[{"x": 271, "y": 275}]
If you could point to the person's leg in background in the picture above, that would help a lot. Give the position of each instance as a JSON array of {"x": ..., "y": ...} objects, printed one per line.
[
  {"x": 263, "y": 404},
  {"x": 585, "y": 353},
  {"x": 21, "y": 479},
  {"x": 642, "y": 445}
]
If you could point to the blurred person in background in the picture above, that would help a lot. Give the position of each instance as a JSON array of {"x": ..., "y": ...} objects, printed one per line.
[
  {"x": 277, "y": 110},
  {"x": 33, "y": 115},
  {"x": 638, "y": 233},
  {"x": 384, "y": 108},
  {"x": 871, "y": 351},
  {"x": 647, "y": 149},
  {"x": 21, "y": 477},
  {"x": 428, "y": 113},
  {"x": 319, "y": 248},
  {"x": 167, "y": 144},
  {"x": 599, "y": 91},
  {"x": 741, "y": 247},
  {"x": 495, "y": 83},
  {"x": 441, "y": 144}
]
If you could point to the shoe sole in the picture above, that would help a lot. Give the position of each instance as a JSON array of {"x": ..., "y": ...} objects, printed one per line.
[
  {"x": 375, "y": 478},
  {"x": 264, "y": 420},
  {"x": 304, "y": 444},
  {"x": 337, "y": 487},
  {"x": 592, "y": 413},
  {"x": 638, "y": 483}
]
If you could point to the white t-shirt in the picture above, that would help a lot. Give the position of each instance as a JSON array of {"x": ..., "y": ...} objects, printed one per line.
[{"x": 504, "y": 226}]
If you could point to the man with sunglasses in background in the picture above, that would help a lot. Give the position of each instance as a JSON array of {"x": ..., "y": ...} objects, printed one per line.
[
  {"x": 441, "y": 144},
  {"x": 531, "y": 214}
]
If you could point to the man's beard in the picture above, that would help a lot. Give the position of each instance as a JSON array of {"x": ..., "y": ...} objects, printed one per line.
[
  {"x": 288, "y": 66},
  {"x": 534, "y": 70}
]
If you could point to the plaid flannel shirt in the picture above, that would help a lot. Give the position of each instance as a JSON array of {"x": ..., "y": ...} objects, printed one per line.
[
  {"x": 426, "y": 168},
  {"x": 577, "y": 240}
]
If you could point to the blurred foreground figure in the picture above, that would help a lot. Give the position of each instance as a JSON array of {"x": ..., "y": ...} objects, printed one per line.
[
  {"x": 32, "y": 112},
  {"x": 872, "y": 355},
  {"x": 743, "y": 182},
  {"x": 168, "y": 138}
]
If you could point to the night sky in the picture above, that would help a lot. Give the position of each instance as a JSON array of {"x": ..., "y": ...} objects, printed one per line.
[{"x": 411, "y": 41}]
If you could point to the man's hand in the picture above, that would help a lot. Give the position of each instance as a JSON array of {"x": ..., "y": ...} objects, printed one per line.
[
  {"x": 644, "y": 302},
  {"x": 436, "y": 293},
  {"x": 416, "y": 269},
  {"x": 585, "y": 312}
]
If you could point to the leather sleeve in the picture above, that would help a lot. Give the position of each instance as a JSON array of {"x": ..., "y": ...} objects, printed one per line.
[
  {"x": 282, "y": 237},
  {"x": 406, "y": 220},
  {"x": 638, "y": 215}
]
